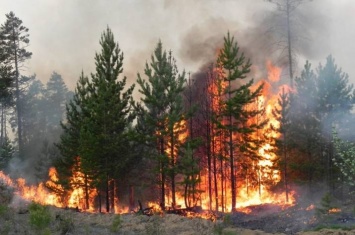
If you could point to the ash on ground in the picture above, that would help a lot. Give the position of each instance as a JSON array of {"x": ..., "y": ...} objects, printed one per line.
[{"x": 272, "y": 218}]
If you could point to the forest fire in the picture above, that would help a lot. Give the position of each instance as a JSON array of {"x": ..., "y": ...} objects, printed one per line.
[
  {"x": 255, "y": 176},
  {"x": 258, "y": 173},
  {"x": 50, "y": 193}
]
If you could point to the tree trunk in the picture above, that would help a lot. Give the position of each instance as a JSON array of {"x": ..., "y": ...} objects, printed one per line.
[
  {"x": 107, "y": 194},
  {"x": 86, "y": 192},
  {"x": 289, "y": 41},
  {"x": 208, "y": 126},
  {"x": 215, "y": 181},
  {"x": 231, "y": 156},
  {"x": 172, "y": 176},
  {"x": 2, "y": 125},
  {"x": 18, "y": 104},
  {"x": 285, "y": 167},
  {"x": 162, "y": 173},
  {"x": 131, "y": 198}
]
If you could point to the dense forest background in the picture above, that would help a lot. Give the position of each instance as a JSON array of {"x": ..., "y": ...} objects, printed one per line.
[{"x": 190, "y": 135}]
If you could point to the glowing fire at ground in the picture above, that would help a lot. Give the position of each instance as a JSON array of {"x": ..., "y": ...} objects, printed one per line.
[
  {"x": 334, "y": 210},
  {"x": 248, "y": 192},
  {"x": 41, "y": 194},
  {"x": 253, "y": 185}
]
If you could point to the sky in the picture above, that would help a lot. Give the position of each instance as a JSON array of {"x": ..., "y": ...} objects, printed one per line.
[{"x": 64, "y": 34}]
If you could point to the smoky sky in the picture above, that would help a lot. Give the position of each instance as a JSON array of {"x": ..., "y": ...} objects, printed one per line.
[{"x": 64, "y": 35}]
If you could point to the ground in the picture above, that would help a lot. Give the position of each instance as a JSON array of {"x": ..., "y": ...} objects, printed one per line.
[{"x": 270, "y": 219}]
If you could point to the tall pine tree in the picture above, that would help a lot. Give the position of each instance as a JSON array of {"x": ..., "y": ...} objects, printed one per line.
[
  {"x": 237, "y": 96},
  {"x": 161, "y": 115},
  {"x": 101, "y": 117},
  {"x": 14, "y": 38}
]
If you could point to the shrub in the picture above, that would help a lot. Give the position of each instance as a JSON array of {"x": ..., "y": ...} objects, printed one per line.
[
  {"x": 40, "y": 217},
  {"x": 116, "y": 223}
]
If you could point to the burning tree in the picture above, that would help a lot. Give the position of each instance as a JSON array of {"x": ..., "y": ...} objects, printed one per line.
[
  {"x": 161, "y": 116},
  {"x": 281, "y": 114},
  {"x": 97, "y": 139},
  {"x": 237, "y": 96}
]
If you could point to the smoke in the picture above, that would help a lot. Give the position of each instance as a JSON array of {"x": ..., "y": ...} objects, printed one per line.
[
  {"x": 64, "y": 35},
  {"x": 264, "y": 39}
]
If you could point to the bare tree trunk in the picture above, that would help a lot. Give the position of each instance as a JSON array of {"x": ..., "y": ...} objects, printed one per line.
[
  {"x": 285, "y": 167},
  {"x": 2, "y": 125},
  {"x": 172, "y": 176},
  {"x": 18, "y": 103},
  {"x": 86, "y": 192},
  {"x": 131, "y": 198},
  {"x": 209, "y": 169},
  {"x": 162, "y": 173},
  {"x": 100, "y": 202},
  {"x": 289, "y": 46},
  {"x": 215, "y": 176},
  {"x": 231, "y": 156}
]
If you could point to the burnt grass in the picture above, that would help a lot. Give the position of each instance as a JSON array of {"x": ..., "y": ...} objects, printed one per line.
[{"x": 273, "y": 218}]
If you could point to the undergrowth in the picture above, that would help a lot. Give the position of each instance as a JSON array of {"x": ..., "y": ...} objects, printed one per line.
[{"x": 40, "y": 218}]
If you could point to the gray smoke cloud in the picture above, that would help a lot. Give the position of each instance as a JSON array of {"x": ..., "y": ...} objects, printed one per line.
[{"x": 65, "y": 34}]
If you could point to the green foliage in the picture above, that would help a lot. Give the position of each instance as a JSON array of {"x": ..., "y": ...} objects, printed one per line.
[
  {"x": 3, "y": 209},
  {"x": 15, "y": 38},
  {"x": 227, "y": 219},
  {"x": 116, "y": 223},
  {"x": 189, "y": 168},
  {"x": 6, "y": 153},
  {"x": 99, "y": 120},
  {"x": 40, "y": 217},
  {"x": 324, "y": 211},
  {"x": 239, "y": 95},
  {"x": 218, "y": 228},
  {"x": 345, "y": 158},
  {"x": 5, "y": 228},
  {"x": 322, "y": 99},
  {"x": 160, "y": 113},
  {"x": 325, "y": 204},
  {"x": 154, "y": 226}
]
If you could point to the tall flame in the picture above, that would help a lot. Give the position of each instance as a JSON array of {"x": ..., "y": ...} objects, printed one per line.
[{"x": 253, "y": 181}]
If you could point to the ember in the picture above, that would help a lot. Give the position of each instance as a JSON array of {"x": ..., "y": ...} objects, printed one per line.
[{"x": 334, "y": 210}]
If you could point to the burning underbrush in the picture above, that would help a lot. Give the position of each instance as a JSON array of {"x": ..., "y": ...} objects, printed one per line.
[{"x": 272, "y": 218}]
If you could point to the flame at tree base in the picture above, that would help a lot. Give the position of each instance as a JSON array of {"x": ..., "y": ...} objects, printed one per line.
[{"x": 42, "y": 195}]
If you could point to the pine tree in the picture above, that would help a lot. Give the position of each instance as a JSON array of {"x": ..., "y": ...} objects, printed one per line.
[
  {"x": 100, "y": 117},
  {"x": 344, "y": 158},
  {"x": 305, "y": 127},
  {"x": 287, "y": 35},
  {"x": 6, "y": 80},
  {"x": 32, "y": 119},
  {"x": 6, "y": 153},
  {"x": 281, "y": 114},
  {"x": 336, "y": 101},
  {"x": 69, "y": 140},
  {"x": 322, "y": 100},
  {"x": 190, "y": 171},
  {"x": 56, "y": 95},
  {"x": 161, "y": 114},
  {"x": 237, "y": 97},
  {"x": 14, "y": 38}
]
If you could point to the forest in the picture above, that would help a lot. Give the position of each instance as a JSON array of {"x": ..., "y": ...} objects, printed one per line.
[{"x": 219, "y": 138}]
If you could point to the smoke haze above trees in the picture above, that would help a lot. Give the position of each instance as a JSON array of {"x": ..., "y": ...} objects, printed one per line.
[{"x": 64, "y": 41}]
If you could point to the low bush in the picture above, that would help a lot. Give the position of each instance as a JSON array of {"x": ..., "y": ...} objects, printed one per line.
[{"x": 40, "y": 217}]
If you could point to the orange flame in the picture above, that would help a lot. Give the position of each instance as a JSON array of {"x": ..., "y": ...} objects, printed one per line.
[{"x": 253, "y": 183}]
